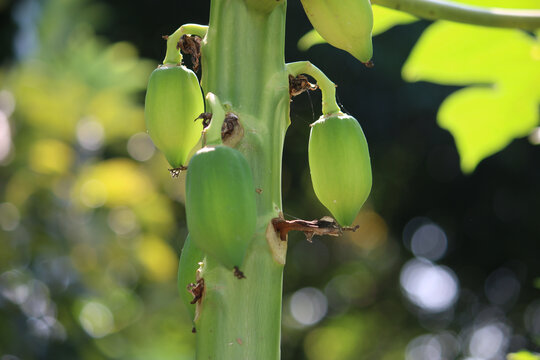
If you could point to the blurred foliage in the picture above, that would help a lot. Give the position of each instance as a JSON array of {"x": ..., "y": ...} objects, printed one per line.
[
  {"x": 523, "y": 355},
  {"x": 92, "y": 224},
  {"x": 91, "y": 247}
]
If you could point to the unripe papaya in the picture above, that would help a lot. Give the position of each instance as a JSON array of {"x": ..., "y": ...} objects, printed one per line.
[
  {"x": 173, "y": 101},
  {"x": 345, "y": 24},
  {"x": 340, "y": 165},
  {"x": 220, "y": 203},
  {"x": 187, "y": 273}
]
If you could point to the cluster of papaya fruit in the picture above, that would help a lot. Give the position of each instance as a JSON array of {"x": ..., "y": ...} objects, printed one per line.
[{"x": 219, "y": 183}]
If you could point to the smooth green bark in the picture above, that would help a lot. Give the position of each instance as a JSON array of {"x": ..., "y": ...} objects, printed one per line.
[{"x": 243, "y": 65}]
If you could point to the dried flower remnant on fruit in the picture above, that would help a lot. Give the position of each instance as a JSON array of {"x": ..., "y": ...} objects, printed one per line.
[
  {"x": 229, "y": 125},
  {"x": 324, "y": 226},
  {"x": 232, "y": 130},
  {"x": 191, "y": 45},
  {"x": 369, "y": 64},
  {"x": 176, "y": 171},
  {"x": 299, "y": 84},
  {"x": 197, "y": 290},
  {"x": 238, "y": 273},
  {"x": 206, "y": 117}
]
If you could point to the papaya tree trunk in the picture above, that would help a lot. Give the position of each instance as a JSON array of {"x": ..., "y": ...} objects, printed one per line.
[{"x": 242, "y": 58}]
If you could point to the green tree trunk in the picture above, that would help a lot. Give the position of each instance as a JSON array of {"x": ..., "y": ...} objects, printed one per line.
[{"x": 243, "y": 63}]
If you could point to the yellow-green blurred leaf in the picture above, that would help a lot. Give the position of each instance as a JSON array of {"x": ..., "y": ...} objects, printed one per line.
[
  {"x": 334, "y": 342},
  {"x": 485, "y": 120},
  {"x": 113, "y": 182},
  {"x": 523, "y": 355},
  {"x": 459, "y": 54},
  {"x": 385, "y": 19},
  {"x": 155, "y": 214},
  {"x": 310, "y": 39},
  {"x": 119, "y": 116},
  {"x": 50, "y": 156},
  {"x": 53, "y": 104},
  {"x": 158, "y": 258}
]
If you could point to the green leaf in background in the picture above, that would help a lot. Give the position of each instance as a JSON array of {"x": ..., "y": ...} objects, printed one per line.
[
  {"x": 383, "y": 20},
  {"x": 484, "y": 120},
  {"x": 459, "y": 54},
  {"x": 523, "y": 355},
  {"x": 310, "y": 39}
]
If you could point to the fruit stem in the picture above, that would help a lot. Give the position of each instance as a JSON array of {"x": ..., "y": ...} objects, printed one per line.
[
  {"x": 173, "y": 55},
  {"x": 328, "y": 88},
  {"x": 526, "y": 19},
  {"x": 212, "y": 134}
]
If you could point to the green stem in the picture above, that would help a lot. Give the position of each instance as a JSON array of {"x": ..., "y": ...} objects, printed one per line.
[
  {"x": 173, "y": 56},
  {"x": 328, "y": 88},
  {"x": 243, "y": 63},
  {"x": 447, "y": 10}
]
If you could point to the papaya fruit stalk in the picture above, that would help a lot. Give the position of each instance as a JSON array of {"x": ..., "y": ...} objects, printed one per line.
[
  {"x": 243, "y": 73},
  {"x": 237, "y": 314},
  {"x": 241, "y": 318}
]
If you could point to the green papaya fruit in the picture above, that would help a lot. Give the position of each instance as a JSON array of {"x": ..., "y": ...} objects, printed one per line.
[
  {"x": 173, "y": 101},
  {"x": 187, "y": 272},
  {"x": 340, "y": 165},
  {"x": 345, "y": 24},
  {"x": 220, "y": 203}
]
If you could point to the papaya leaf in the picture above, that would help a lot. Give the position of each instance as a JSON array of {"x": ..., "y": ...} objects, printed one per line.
[
  {"x": 483, "y": 120},
  {"x": 459, "y": 54},
  {"x": 383, "y": 20},
  {"x": 310, "y": 39}
]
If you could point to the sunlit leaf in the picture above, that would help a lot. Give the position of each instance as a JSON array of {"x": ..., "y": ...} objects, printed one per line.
[
  {"x": 459, "y": 54},
  {"x": 156, "y": 214},
  {"x": 485, "y": 120},
  {"x": 158, "y": 258},
  {"x": 51, "y": 104},
  {"x": 114, "y": 182},
  {"x": 383, "y": 20},
  {"x": 523, "y": 355},
  {"x": 50, "y": 156},
  {"x": 119, "y": 116},
  {"x": 340, "y": 340},
  {"x": 310, "y": 39}
]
